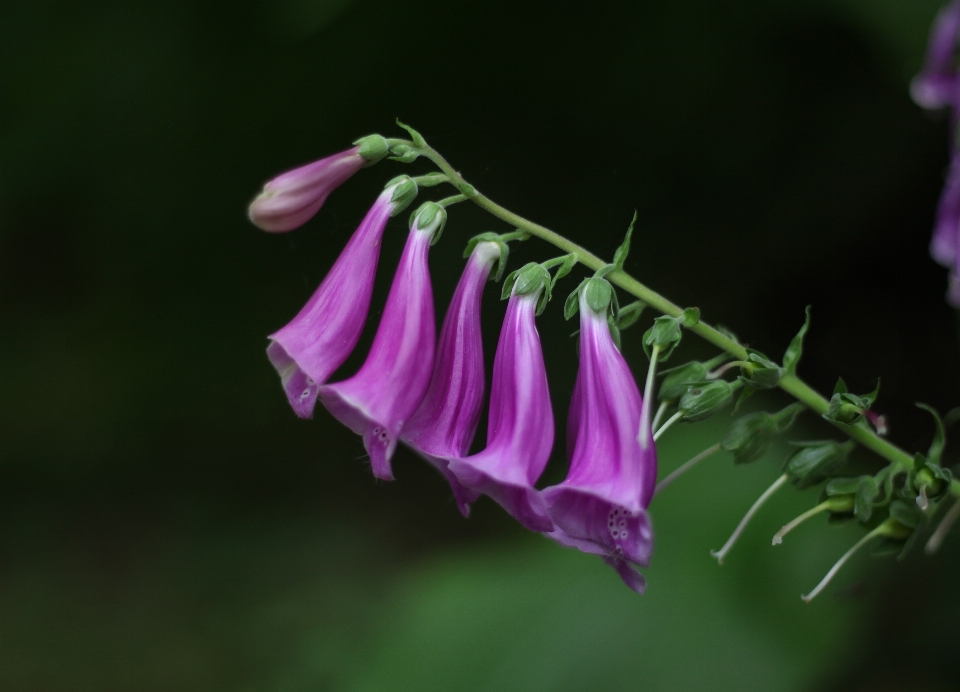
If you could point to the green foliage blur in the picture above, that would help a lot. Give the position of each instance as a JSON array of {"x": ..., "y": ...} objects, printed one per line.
[{"x": 166, "y": 523}]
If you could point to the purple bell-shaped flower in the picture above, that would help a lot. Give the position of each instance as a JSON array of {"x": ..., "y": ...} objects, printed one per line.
[
  {"x": 601, "y": 506},
  {"x": 318, "y": 340},
  {"x": 388, "y": 389},
  {"x": 520, "y": 429},
  {"x": 444, "y": 425}
]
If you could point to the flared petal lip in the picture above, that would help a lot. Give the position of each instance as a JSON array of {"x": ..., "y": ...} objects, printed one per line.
[
  {"x": 463, "y": 495},
  {"x": 515, "y": 495}
]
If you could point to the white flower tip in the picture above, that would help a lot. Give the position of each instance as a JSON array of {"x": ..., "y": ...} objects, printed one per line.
[
  {"x": 777, "y": 540},
  {"x": 719, "y": 554}
]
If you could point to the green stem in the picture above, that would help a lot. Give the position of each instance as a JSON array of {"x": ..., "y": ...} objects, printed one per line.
[{"x": 788, "y": 383}]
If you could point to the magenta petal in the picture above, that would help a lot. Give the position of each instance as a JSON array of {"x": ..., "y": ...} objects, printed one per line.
[
  {"x": 946, "y": 229},
  {"x": 446, "y": 421},
  {"x": 934, "y": 87},
  {"x": 601, "y": 506},
  {"x": 292, "y": 198},
  {"x": 390, "y": 385},
  {"x": 520, "y": 430},
  {"x": 318, "y": 340}
]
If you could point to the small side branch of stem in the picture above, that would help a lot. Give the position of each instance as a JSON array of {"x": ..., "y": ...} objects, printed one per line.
[
  {"x": 836, "y": 567},
  {"x": 722, "y": 553},
  {"x": 712, "y": 449},
  {"x": 943, "y": 528}
]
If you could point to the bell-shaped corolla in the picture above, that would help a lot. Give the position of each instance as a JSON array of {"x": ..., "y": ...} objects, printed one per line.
[
  {"x": 318, "y": 340},
  {"x": 601, "y": 506},
  {"x": 520, "y": 427},
  {"x": 388, "y": 388},
  {"x": 444, "y": 425},
  {"x": 293, "y": 198}
]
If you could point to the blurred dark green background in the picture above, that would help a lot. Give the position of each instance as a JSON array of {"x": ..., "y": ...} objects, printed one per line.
[{"x": 166, "y": 523}]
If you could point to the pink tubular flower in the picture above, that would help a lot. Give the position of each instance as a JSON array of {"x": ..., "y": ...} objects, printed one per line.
[
  {"x": 520, "y": 432},
  {"x": 389, "y": 387},
  {"x": 444, "y": 425},
  {"x": 292, "y": 198},
  {"x": 601, "y": 506},
  {"x": 936, "y": 85},
  {"x": 318, "y": 340}
]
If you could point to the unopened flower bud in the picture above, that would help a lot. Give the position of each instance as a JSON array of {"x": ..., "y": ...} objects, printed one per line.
[
  {"x": 705, "y": 399},
  {"x": 815, "y": 461},
  {"x": 372, "y": 148},
  {"x": 404, "y": 192}
]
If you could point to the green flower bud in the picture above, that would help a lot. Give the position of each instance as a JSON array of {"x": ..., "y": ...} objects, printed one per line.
[
  {"x": 759, "y": 372},
  {"x": 702, "y": 400},
  {"x": 403, "y": 194},
  {"x": 815, "y": 461},
  {"x": 749, "y": 437},
  {"x": 678, "y": 380},
  {"x": 373, "y": 148},
  {"x": 598, "y": 294}
]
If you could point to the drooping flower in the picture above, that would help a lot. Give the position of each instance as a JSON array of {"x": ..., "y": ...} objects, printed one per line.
[
  {"x": 444, "y": 425},
  {"x": 601, "y": 506},
  {"x": 388, "y": 388},
  {"x": 292, "y": 198},
  {"x": 936, "y": 85},
  {"x": 318, "y": 340},
  {"x": 520, "y": 428}
]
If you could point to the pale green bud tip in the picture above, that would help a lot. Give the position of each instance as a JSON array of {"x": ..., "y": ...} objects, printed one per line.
[
  {"x": 372, "y": 148},
  {"x": 531, "y": 279},
  {"x": 487, "y": 252},
  {"x": 597, "y": 294},
  {"x": 703, "y": 400},
  {"x": 429, "y": 218},
  {"x": 404, "y": 192}
]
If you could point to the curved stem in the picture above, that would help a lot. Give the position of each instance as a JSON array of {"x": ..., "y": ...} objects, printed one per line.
[
  {"x": 670, "y": 421},
  {"x": 791, "y": 525},
  {"x": 674, "y": 475},
  {"x": 943, "y": 528},
  {"x": 788, "y": 383},
  {"x": 722, "y": 553},
  {"x": 836, "y": 567},
  {"x": 659, "y": 415}
]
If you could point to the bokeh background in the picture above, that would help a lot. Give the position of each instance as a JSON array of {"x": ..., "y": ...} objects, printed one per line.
[{"x": 167, "y": 523}]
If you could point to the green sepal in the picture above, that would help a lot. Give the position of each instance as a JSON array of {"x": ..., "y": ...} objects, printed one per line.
[
  {"x": 490, "y": 238},
  {"x": 569, "y": 262},
  {"x": 690, "y": 317},
  {"x": 841, "y": 486},
  {"x": 403, "y": 153},
  {"x": 679, "y": 379},
  {"x": 620, "y": 256},
  {"x": 572, "y": 303},
  {"x": 867, "y": 493},
  {"x": 795, "y": 350},
  {"x": 430, "y": 214},
  {"x": 665, "y": 333},
  {"x": 924, "y": 474},
  {"x": 372, "y": 148},
  {"x": 939, "y": 435},
  {"x": 414, "y": 135},
  {"x": 815, "y": 461},
  {"x": 630, "y": 313},
  {"x": 784, "y": 418},
  {"x": 403, "y": 194},
  {"x": 749, "y": 437},
  {"x": 598, "y": 294},
  {"x": 703, "y": 399},
  {"x": 529, "y": 279},
  {"x": 614, "y": 331},
  {"x": 846, "y": 407},
  {"x": 906, "y": 514},
  {"x": 508, "y": 284},
  {"x": 745, "y": 394},
  {"x": 759, "y": 371}
]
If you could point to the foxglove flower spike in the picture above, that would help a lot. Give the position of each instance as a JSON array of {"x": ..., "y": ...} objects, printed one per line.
[
  {"x": 444, "y": 425},
  {"x": 601, "y": 506},
  {"x": 388, "y": 389},
  {"x": 318, "y": 340}
]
